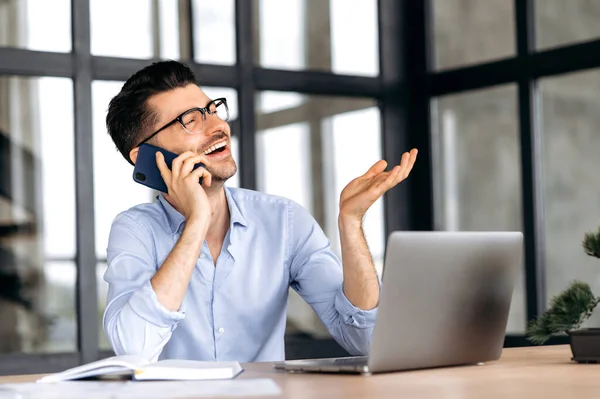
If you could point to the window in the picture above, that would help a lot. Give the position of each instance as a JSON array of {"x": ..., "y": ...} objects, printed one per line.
[
  {"x": 561, "y": 22},
  {"x": 36, "y": 25},
  {"x": 570, "y": 117},
  {"x": 37, "y": 217},
  {"x": 214, "y": 31},
  {"x": 472, "y": 31},
  {"x": 319, "y": 35},
  {"x": 135, "y": 28},
  {"x": 308, "y": 151},
  {"x": 479, "y": 174}
]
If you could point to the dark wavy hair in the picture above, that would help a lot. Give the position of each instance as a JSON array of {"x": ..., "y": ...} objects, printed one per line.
[{"x": 129, "y": 116}]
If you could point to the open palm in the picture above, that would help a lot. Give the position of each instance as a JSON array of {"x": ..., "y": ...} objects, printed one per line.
[{"x": 362, "y": 192}]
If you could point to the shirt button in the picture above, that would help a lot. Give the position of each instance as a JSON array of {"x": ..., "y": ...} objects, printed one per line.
[
  {"x": 221, "y": 330},
  {"x": 201, "y": 256}
]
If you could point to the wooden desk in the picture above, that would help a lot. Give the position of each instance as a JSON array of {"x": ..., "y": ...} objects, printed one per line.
[{"x": 538, "y": 372}]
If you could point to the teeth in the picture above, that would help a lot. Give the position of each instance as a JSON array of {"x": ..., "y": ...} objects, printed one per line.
[{"x": 214, "y": 147}]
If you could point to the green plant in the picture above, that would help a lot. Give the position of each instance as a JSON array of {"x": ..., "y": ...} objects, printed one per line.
[{"x": 569, "y": 309}]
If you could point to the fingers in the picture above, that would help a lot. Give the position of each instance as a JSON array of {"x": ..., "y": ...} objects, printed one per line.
[
  {"x": 390, "y": 180},
  {"x": 184, "y": 164},
  {"x": 406, "y": 164},
  {"x": 376, "y": 169},
  {"x": 178, "y": 163},
  {"x": 201, "y": 173},
  {"x": 189, "y": 164},
  {"x": 411, "y": 162},
  {"x": 164, "y": 169},
  {"x": 404, "y": 160}
]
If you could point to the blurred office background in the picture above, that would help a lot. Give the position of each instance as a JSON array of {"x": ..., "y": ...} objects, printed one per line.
[{"x": 501, "y": 97}]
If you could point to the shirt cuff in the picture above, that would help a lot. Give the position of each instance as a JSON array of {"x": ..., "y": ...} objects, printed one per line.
[
  {"x": 145, "y": 303},
  {"x": 352, "y": 315}
]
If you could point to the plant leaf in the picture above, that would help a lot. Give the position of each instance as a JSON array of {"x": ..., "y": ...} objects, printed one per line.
[
  {"x": 591, "y": 243},
  {"x": 567, "y": 312}
]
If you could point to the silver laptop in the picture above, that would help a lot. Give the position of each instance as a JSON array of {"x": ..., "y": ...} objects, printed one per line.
[{"x": 444, "y": 301}]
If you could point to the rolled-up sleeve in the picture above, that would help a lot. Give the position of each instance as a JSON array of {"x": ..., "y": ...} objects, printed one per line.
[
  {"x": 316, "y": 274},
  {"x": 352, "y": 315},
  {"x": 135, "y": 322}
]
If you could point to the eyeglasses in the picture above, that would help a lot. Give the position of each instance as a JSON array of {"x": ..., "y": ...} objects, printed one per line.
[{"x": 193, "y": 120}]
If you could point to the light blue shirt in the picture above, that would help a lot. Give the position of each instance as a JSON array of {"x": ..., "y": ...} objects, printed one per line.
[{"x": 235, "y": 310}]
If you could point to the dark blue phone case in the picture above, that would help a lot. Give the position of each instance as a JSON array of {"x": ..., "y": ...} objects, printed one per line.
[{"x": 146, "y": 171}]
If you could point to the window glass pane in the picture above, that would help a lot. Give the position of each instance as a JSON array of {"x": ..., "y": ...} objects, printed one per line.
[
  {"x": 134, "y": 28},
  {"x": 560, "y": 22},
  {"x": 36, "y": 24},
  {"x": 214, "y": 31},
  {"x": 319, "y": 35},
  {"x": 478, "y": 170},
  {"x": 37, "y": 215},
  {"x": 102, "y": 288},
  {"x": 234, "y": 181},
  {"x": 271, "y": 101},
  {"x": 168, "y": 29},
  {"x": 59, "y": 302},
  {"x": 308, "y": 150},
  {"x": 354, "y": 51},
  {"x": 114, "y": 188},
  {"x": 472, "y": 31},
  {"x": 271, "y": 174},
  {"x": 571, "y": 144}
]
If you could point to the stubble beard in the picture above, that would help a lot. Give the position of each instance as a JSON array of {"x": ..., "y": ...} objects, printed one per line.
[{"x": 224, "y": 172}]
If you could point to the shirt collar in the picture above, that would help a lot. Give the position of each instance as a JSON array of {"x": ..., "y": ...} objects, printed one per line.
[
  {"x": 176, "y": 219},
  {"x": 235, "y": 213}
]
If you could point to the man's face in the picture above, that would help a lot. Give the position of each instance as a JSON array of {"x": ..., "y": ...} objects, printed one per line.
[{"x": 169, "y": 105}]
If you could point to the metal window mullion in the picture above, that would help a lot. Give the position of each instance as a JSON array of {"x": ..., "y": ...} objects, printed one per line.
[
  {"x": 393, "y": 108},
  {"x": 22, "y": 62},
  {"x": 317, "y": 82},
  {"x": 404, "y": 57},
  {"x": 531, "y": 163},
  {"x": 87, "y": 306},
  {"x": 186, "y": 31},
  {"x": 573, "y": 58},
  {"x": 246, "y": 91},
  {"x": 417, "y": 58}
]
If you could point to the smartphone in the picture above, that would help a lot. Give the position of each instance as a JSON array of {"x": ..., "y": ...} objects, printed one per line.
[{"x": 146, "y": 170}]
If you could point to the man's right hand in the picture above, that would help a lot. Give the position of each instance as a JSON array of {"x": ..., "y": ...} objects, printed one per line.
[{"x": 185, "y": 192}]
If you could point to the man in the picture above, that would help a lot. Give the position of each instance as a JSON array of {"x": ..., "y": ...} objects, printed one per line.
[{"x": 203, "y": 272}]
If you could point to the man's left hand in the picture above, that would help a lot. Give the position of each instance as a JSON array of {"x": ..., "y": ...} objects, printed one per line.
[{"x": 362, "y": 192}]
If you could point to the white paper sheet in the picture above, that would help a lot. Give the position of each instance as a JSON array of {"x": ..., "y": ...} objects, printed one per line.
[{"x": 145, "y": 389}]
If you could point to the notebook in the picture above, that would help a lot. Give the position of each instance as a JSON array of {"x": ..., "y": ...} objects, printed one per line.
[{"x": 140, "y": 369}]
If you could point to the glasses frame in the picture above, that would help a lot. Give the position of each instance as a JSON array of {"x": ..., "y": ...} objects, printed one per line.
[{"x": 179, "y": 118}]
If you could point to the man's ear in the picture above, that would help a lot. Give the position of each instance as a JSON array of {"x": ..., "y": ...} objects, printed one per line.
[{"x": 133, "y": 154}]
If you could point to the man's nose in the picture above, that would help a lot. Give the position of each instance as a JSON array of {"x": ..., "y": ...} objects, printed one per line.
[{"x": 214, "y": 124}]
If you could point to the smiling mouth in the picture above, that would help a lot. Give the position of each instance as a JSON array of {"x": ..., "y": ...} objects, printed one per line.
[{"x": 215, "y": 149}]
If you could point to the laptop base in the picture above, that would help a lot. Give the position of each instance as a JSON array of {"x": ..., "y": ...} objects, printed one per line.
[{"x": 349, "y": 365}]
